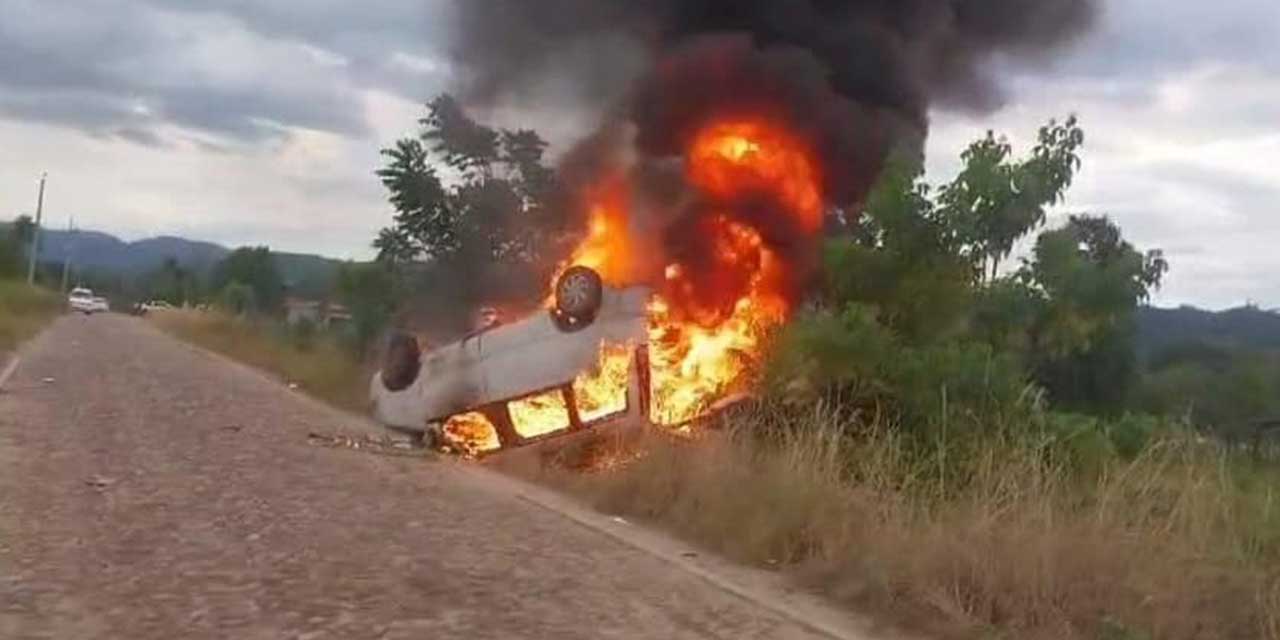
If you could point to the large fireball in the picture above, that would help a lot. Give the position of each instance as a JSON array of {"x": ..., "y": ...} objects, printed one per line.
[{"x": 726, "y": 284}]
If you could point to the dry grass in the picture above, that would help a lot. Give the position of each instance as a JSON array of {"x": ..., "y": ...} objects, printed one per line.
[
  {"x": 24, "y": 311},
  {"x": 1180, "y": 543},
  {"x": 1011, "y": 541},
  {"x": 320, "y": 367}
]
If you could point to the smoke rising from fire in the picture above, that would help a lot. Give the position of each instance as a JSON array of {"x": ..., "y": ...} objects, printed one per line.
[
  {"x": 893, "y": 55},
  {"x": 844, "y": 81}
]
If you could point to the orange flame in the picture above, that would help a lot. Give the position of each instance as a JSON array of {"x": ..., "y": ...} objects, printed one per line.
[
  {"x": 539, "y": 414},
  {"x": 699, "y": 350},
  {"x": 697, "y": 356},
  {"x": 734, "y": 157},
  {"x": 471, "y": 434}
]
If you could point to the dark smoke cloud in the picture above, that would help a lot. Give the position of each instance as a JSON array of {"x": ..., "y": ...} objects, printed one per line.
[
  {"x": 854, "y": 78},
  {"x": 899, "y": 55},
  {"x": 858, "y": 76}
]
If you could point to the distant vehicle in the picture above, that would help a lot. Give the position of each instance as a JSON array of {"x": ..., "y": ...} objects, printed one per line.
[
  {"x": 101, "y": 304},
  {"x": 82, "y": 300},
  {"x": 147, "y": 306}
]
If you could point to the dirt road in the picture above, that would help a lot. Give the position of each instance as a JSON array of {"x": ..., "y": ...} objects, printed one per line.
[{"x": 149, "y": 490}]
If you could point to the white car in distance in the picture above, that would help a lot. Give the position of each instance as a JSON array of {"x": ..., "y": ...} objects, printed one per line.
[{"x": 83, "y": 301}]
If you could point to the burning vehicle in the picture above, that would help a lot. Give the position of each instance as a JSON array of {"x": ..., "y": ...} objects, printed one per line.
[
  {"x": 730, "y": 138},
  {"x": 622, "y": 337},
  {"x": 506, "y": 385}
]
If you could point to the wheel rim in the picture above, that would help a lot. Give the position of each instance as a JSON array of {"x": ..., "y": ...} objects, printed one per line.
[{"x": 575, "y": 293}]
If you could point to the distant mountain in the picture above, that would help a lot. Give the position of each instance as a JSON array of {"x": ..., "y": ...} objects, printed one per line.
[
  {"x": 307, "y": 275},
  {"x": 104, "y": 252},
  {"x": 1244, "y": 327}
]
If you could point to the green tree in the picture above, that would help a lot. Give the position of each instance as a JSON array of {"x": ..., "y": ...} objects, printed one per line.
[
  {"x": 1090, "y": 282},
  {"x": 924, "y": 256},
  {"x": 238, "y": 298},
  {"x": 369, "y": 291},
  {"x": 995, "y": 201},
  {"x": 254, "y": 267},
  {"x": 903, "y": 260},
  {"x": 472, "y": 201},
  {"x": 926, "y": 262},
  {"x": 491, "y": 208},
  {"x": 15, "y": 237},
  {"x": 171, "y": 282}
]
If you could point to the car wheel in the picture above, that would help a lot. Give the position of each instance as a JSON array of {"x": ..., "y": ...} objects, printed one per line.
[
  {"x": 579, "y": 292},
  {"x": 400, "y": 362}
]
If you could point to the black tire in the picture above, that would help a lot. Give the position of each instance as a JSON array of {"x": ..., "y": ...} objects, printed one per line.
[
  {"x": 400, "y": 362},
  {"x": 579, "y": 292}
]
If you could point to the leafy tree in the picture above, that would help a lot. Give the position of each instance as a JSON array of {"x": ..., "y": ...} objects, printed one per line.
[
  {"x": 925, "y": 262},
  {"x": 172, "y": 283},
  {"x": 1089, "y": 282},
  {"x": 255, "y": 268},
  {"x": 238, "y": 298},
  {"x": 903, "y": 260},
  {"x": 1220, "y": 389},
  {"x": 369, "y": 291},
  {"x": 15, "y": 238},
  {"x": 490, "y": 209},
  {"x": 923, "y": 256},
  {"x": 995, "y": 201},
  {"x": 472, "y": 215}
]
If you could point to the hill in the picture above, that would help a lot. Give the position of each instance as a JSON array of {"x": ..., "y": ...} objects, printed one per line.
[
  {"x": 307, "y": 275},
  {"x": 1243, "y": 327},
  {"x": 104, "y": 252}
]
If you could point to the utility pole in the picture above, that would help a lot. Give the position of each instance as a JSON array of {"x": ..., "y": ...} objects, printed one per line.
[
  {"x": 66, "y": 263},
  {"x": 35, "y": 235}
]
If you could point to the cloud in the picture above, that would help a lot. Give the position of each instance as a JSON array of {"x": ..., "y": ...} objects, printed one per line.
[
  {"x": 1180, "y": 149},
  {"x": 259, "y": 122},
  {"x": 244, "y": 71}
]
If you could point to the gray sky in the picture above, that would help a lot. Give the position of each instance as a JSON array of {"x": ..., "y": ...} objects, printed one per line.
[{"x": 243, "y": 121}]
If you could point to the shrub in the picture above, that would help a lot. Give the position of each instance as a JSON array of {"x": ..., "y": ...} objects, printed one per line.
[
  {"x": 949, "y": 389},
  {"x": 23, "y": 311}
]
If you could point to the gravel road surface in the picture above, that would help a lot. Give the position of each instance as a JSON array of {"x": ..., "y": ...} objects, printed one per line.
[{"x": 151, "y": 490}]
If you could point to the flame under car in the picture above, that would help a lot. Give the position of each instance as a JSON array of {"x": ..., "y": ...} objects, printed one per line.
[{"x": 536, "y": 378}]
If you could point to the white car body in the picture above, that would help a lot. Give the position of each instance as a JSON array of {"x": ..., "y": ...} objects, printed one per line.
[
  {"x": 82, "y": 300},
  {"x": 101, "y": 304},
  {"x": 512, "y": 361}
]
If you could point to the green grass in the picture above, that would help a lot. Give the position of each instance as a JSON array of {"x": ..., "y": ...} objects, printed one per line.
[
  {"x": 24, "y": 311},
  {"x": 316, "y": 363}
]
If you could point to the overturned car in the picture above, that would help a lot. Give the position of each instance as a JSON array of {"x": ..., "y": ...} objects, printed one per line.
[{"x": 580, "y": 363}]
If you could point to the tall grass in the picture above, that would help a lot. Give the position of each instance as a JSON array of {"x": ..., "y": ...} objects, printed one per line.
[
  {"x": 316, "y": 362},
  {"x": 1013, "y": 541},
  {"x": 23, "y": 311},
  {"x": 1050, "y": 531}
]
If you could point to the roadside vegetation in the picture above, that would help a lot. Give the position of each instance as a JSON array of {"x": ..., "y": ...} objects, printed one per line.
[
  {"x": 958, "y": 430},
  {"x": 1042, "y": 531},
  {"x": 952, "y": 431},
  {"x": 23, "y": 309},
  {"x": 319, "y": 363}
]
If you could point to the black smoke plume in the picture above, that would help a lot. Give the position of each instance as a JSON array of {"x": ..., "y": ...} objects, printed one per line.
[{"x": 856, "y": 78}]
